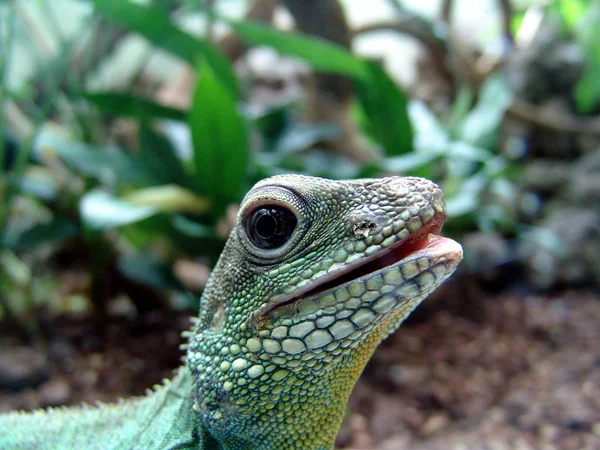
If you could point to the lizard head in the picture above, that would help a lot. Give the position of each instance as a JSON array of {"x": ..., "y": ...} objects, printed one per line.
[{"x": 314, "y": 275}]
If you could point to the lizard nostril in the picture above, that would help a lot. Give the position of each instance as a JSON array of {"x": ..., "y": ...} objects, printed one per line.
[
  {"x": 365, "y": 223},
  {"x": 364, "y": 228}
]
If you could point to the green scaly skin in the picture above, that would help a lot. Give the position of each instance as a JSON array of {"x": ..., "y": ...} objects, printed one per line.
[{"x": 283, "y": 333}]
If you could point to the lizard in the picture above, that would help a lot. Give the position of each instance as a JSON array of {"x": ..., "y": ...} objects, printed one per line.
[{"x": 314, "y": 275}]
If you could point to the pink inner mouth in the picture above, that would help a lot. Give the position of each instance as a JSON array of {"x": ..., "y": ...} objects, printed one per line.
[{"x": 423, "y": 238}]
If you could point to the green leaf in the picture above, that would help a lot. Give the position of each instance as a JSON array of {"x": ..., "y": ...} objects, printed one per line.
[
  {"x": 13, "y": 268},
  {"x": 516, "y": 21},
  {"x": 299, "y": 137},
  {"x": 481, "y": 126},
  {"x": 320, "y": 54},
  {"x": 193, "y": 238},
  {"x": 54, "y": 231},
  {"x": 572, "y": 11},
  {"x": 461, "y": 204},
  {"x": 460, "y": 108},
  {"x": 220, "y": 140},
  {"x": 463, "y": 151},
  {"x": 107, "y": 164},
  {"x": 160, "y": 159},
  {"x": 152, "y": 23},
  {"x": 468, "y": 191},
  {"x": 410, "y": 162},
  {"x": 169, "y": 198},
  {"x": 193, "y": 229},
  {"x": 128, "y": 105},
  {"x": 271, "y": 122},
  {"x": 587, "y": 90},
  {"x": 100, "y": 211},
  {"x": 150, "y": 271},
  {"x": 430, "y": 134},
  {"x": 39, "y": 182},
  {"x": 316, "y": 162},
  {"x": 386, "y": 111}
]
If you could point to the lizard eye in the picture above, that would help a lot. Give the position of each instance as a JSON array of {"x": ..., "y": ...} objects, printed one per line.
[{"x": 269, "y": 227}]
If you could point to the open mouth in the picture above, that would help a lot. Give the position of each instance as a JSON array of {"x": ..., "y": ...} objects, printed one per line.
[{"x": 420, "y": 240}]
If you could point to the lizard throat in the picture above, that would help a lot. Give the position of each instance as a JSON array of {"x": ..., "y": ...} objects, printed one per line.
[{"x": 375, "y": 262}]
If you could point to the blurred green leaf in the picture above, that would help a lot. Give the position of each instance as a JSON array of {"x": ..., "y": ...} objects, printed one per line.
[
  {"x": 505, "y": 190},
  {"x": 100, "y": 211},
  {"x": 56, "y": 230},
  {"x": 160, "y": 158},
  {"x": 516, "y": 21},
  {"x": 460, "y": 108},
  {"x": 169, "y": 198},
  {"x": 466, "y": 200},
  {"x": 149, "y": 270},
  {"x": 386, "y": 111},
  {"x": 407, "y": 164},
  {"x": 40, "y": 183},
  {"x": 272, "y": 122},
  {"x": 572, "y": 11},
  {"x": 587, "y": 90},
  {"x": 108, "y": 164},
  {"x": 430, "y": 134},
  {"x": 193, "y": 228},
  {"x": 220, "y": 140},
  {"x": 14, "y": 269},
  {"x": 301, "y": 136},
  {"x": 128, "y": 105},
  {"x": 316, "y": 162},
  {"x": 461, "y": 204},
  {"x": 193, "y": 238},
  {"x": 156, "y": 26},
  {"x": 320, "y": 54},
  {"x": 481, "y": 126},
  {"x": 144, "y": 234},
  {"x": 465, "y": 151}
]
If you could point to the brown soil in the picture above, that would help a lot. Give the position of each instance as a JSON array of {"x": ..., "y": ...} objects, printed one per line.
[{"x": 521, "y": 373}]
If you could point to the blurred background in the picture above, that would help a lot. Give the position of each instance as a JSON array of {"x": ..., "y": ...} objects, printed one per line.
[{"x": 130, "y": 131}]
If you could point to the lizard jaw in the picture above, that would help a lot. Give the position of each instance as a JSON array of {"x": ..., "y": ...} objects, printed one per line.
[{"x": 424, "y": 242}]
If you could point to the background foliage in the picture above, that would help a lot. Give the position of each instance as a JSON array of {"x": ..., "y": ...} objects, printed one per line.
[{"x": 122, "y": 209}]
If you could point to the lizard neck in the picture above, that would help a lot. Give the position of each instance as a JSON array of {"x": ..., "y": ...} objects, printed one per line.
[
  {"x": 286, "y": 407},
  {"x": 268, "y": 388}
]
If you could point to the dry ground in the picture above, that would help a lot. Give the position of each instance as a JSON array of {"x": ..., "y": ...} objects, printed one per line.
[{"x": 504, "y": 372}]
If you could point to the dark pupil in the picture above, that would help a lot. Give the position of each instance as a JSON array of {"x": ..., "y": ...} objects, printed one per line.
[{"x": 270, "y": 227}]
